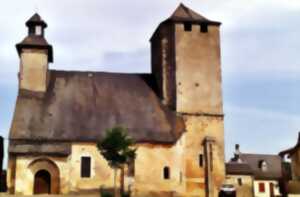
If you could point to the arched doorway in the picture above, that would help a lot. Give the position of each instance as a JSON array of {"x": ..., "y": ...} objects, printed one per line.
[
  {"x": 45, "y": 176},
  {"x": 42, "y": 182}
]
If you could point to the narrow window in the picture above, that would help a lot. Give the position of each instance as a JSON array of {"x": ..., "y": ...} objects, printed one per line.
[
  {"x": 240, "y": 182},
  {"x": 261, "y": 187},
  {"x": 85, "y": 167},
  {"x": 187, "y": 26},
  {"x": 131, "y": 169},
  {"x": 38, "y": 30},
  {"x": 211, "y": 157},
  {"x": 200, "y": 160},
  {"x": 31, "y": 30},
  {"x": 204, "y": 28},
  {"x": 166, "y": 172}
]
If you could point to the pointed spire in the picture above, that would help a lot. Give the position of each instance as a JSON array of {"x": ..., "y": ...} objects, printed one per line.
[
  {"x": 36, "y": 19},
  {"x": 185, "y": 14}
]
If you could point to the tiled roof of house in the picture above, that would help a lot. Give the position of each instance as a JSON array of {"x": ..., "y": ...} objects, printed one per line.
[
  {"x": 273, "y": 165},
  {"x": 238, "y": 168}
]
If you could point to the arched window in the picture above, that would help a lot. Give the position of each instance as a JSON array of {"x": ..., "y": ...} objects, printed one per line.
[{"x": 166, "y": 172}]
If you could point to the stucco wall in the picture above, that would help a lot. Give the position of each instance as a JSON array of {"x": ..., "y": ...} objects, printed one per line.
[
  {"x": 198, "y": 70},
  {"x": 149, "y": 164},
  {"x": 267, "y": 188},
  {"x": 244, "y": 190},
  {"x": 33, "y": 70}
]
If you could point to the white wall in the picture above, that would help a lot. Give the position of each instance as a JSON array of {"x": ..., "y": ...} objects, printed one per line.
[{"x": 267, "y": 188}]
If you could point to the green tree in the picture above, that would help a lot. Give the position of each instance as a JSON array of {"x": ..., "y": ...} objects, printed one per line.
[{"x": 117, "y": 148}]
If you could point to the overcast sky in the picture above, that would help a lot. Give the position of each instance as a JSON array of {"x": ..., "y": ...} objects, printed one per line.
[{"x": 260, "y": 55}]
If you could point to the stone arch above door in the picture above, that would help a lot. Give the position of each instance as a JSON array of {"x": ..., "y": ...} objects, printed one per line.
[{"x": 49, "y": 166}]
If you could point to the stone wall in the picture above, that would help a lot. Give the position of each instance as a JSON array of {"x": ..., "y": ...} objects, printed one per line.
[
  {"x": 198, "y": 70},
  {"x": 198, "y": 129}
]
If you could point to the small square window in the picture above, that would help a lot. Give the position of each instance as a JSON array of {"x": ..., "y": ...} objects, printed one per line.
[
  {"x": 187, "y": 26},
  {"x": 204, "y": 28}
]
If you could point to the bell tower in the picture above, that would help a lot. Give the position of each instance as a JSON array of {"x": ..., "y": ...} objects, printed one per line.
[
  {"x": 35, "y": 54},
  {"x": 186, "y": 63}
]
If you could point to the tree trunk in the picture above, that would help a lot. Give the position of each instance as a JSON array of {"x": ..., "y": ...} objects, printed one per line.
[
  {"x": 115, "y": 183},
  {"x": 122, "y": 180}
]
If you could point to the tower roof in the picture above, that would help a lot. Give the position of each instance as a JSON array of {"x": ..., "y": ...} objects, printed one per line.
[
  {"x": 33, "y": 41},
  {"x": 185, "y": 14},
  {"x": 36, "y": 19}
]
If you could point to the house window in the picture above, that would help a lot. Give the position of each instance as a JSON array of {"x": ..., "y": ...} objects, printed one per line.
[
  {"x": 261, "y": 187},
  {"x": 201, "y": 160},
  {"x": 166, "y": 172},
  {"x": 240, "y": 182},
  {"x": 85, "y": 167},
  {"x": 204, "y": 28},
  {"x": 187, "y": 26}
]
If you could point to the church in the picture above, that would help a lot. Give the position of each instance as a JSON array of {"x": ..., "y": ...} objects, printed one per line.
[{"x": 174, "y": 114}]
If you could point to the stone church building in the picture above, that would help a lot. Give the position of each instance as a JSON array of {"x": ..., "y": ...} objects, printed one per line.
[{"x": 174, "y": 114}]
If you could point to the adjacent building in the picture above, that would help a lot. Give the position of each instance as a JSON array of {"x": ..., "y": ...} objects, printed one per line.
[
  {"x": 264, "y": 170},
  {"x": 175, "y": 115}
]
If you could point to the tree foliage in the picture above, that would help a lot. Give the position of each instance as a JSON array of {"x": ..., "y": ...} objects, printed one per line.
[{"x": 116, "y": 147}]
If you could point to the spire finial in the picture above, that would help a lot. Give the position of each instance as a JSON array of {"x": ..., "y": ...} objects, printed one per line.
[{"x": 36, "y": 7}]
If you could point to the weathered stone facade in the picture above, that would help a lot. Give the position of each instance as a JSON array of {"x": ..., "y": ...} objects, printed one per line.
[{"x": 186, "y": 68}]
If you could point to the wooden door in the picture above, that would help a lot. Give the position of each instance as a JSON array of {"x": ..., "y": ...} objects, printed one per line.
[{"x": 42, "y": 182}]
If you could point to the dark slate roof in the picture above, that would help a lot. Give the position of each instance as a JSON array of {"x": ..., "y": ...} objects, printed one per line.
[
  {"x": 274, "y": 167},
  {"x": 238, "y": 168},
  {"x": 36, "y": 19},
  {"x": 80, "y": 106},
  {"x": 185, "y": 14},
  {"x": 37, "y": 148},
  {"x": 292, "y": 150}
]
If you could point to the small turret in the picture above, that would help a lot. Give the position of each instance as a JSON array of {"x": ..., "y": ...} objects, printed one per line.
[{"x": 35, "y": 54}]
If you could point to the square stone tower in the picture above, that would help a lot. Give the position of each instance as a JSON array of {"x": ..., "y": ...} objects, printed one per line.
[{"x": 187, "y": 65}]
